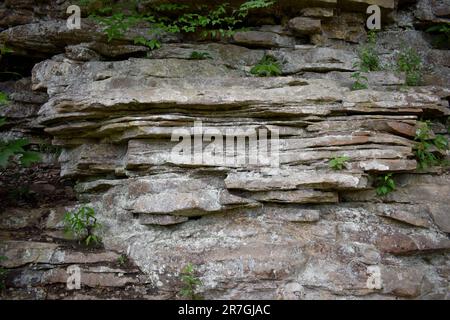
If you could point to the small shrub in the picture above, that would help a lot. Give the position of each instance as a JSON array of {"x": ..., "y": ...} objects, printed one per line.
[
  {"x": 83, "y": 224},
  {"x": 369, "y": 58},
  {"x": 361, "y": 82},
  {"x": 195, "y": 55},
  {"x": 409, "y": 61},
  {"x": 427, "y": 144},
  {"x": 122, "y": 260},
  {"x": 152, "y": 44},
  {"x": 190, "y": 283},
  {"x": 338, "y": 163},
  {"x": 267, "y": 67},
  {"x": 385, "y": 184},
  {"x": 211, "y": 20}
]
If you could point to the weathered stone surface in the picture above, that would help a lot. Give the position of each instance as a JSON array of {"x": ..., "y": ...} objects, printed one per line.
[
  {"x": 317, "y": 12},
  {"x": 73, "y": 257},
  {"x": 432, "y": 11},
  {"x": 232, "y": 56},
  {"x": 413, "y": 217},
  {"x": 316, "y": 60},
  {"x": 402, "y": 282},
  {"x": 291, "y": 214},
  {"x": 20, "y": 253},
  {"x": 20, "y": 218},
  {"x": 293, "y": 179},
  {"x": 261, "y": 39},
  {"x": 180, "y": 196},
  {"x": 296, "y": 196},
  {"x": 162, "y": 220},
  {"x": 50, "y": 37},
  {"x": 439, "y": 212},
  {"x": 399, "y": 243},
  {"x": 304, "y": 26},
  {"x": 346, "y": 26}
]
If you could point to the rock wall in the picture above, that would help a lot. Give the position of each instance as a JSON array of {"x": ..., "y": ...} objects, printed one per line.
[{"x": 297, "y": 230}]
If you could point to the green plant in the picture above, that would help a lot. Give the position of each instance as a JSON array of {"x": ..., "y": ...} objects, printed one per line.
[
  {"x": 190, "y": 283},
  {"x": 152, "y": 44},
  {"x": 3, "y": 98},
  {"x": 3, "y": 274},
  {"x": 338, "y": 163},
  {"x": 9, "y": 149},
  {"x": 195, "y": 55},
  {"x": 267, "y": 67},
  {"x": 442, "y": 32},
  {"x": 221, "y": 19},
  {"x": 385, "y": 184},
  {"x": 4, "y": 50},
  {"x": 82, "y": 224},
  {"x": 429, "y": 147},
  {"x": 361, "y": 82},
  {"x": 409, "y": 61},
  {"x": 122, "y": 260},
  {"x": 368, "y": 56}
]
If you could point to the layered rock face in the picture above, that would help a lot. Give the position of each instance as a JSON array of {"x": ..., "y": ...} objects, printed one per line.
[{"x": 198, "y": 161}]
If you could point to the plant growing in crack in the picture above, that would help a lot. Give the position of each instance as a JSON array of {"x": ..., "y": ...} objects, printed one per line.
[
  {"x": 368, "y": 56},
  {"x": 10, "y": 149},
  {"x": 190, "y": 283},
  {"x": 83, "y": 224},
  {"x": 410, "y": 62},
  {"x": 429, "y": 148},
  {"x": 338, "y": 163},
  {"x": 442, "y": 34},
  {"x": 361, "y": 81},
  {"x": 267, "y": 67},
  {"x": 195, "y": 55},
  {"x": 211, "y": 20},
  {"x": 152, "y": 44},
  {"x": 122, "y": 260},
  {"x": 368, "y": 61},
  {"x": 385, "y": 184}
]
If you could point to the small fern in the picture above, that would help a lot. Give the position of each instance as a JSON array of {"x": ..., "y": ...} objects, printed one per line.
[
  {"x": 385, "y": 185},
  {"x": 195, "y": 55},
  {"x": 338, "y": 163},
  {"x": 267, "y": 67},
  {"x": 152, "y": 44},
  {"x": 429, "y": 146}
]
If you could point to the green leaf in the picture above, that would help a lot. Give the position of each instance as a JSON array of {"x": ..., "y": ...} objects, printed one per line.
[
  {"x": 3, "y": 98},
  {"x": 30, "y": 157}
]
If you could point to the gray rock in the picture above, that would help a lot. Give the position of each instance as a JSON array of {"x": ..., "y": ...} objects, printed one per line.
[
  {"x": 304, "y": 26},
  {"x": 161, "y": 220},
  {"x": 262, "y": 39}
]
